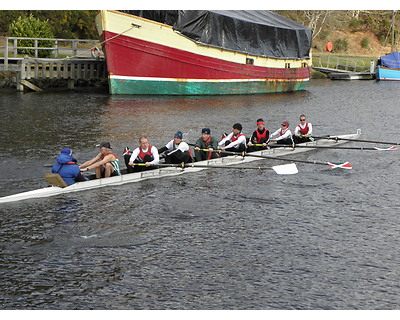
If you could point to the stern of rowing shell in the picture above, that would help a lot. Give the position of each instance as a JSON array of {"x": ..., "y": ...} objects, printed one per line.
[{"x": 55, "y": 180}]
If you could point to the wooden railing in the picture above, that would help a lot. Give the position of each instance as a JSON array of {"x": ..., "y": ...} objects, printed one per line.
[
  {"x": 73, "y": 48},
  {"x": 69, "y": 59},
  {"x": 62, "y": 69}
]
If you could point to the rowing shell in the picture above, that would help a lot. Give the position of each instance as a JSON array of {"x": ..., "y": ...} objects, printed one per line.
[{"x": 173, "y": 171}]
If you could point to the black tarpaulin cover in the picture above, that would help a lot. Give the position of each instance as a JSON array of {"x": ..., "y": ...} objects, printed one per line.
[{"x": 261, "y": 33}]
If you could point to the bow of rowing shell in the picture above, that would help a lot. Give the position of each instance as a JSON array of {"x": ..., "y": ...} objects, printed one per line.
[
  {"x": 166, "y": 172},
  {"x": 151, "y": 58}
]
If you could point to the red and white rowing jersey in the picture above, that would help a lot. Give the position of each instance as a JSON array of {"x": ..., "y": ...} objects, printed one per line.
[
  {"x": 140, "y": 153},
  {"x": 282, "y": 134},
  {"x": 303, "y": 129},
  {"x": 234, "y": 139}
]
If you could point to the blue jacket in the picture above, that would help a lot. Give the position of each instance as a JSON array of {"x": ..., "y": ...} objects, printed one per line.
[{"x": 70, "y": 172}]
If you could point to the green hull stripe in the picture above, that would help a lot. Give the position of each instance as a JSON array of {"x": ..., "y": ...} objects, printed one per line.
[{"x": 151, "y": 87}]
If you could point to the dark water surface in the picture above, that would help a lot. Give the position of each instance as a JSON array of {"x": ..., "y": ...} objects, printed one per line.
[{"x": 321, "y": 239}]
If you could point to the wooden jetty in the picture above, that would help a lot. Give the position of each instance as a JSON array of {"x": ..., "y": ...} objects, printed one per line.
[{"x": 85, "y": 63}]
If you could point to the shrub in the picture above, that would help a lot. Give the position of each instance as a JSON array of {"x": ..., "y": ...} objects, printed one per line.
[
  {"x": 30, "y": 27},
  {"x": 356, "y": 24},
  {"x": 341, "y": 45},
  {"x": 323, "y": 35},
  {"x": 365, "y": 43}
]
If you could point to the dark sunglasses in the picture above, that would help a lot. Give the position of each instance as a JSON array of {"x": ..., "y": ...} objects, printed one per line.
[
  {"x": 283, "y": 125},
  {"x": 302, "y": 119}
]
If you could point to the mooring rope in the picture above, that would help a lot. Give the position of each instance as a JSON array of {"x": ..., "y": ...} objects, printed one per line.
[{"x": 101, "y": 43}]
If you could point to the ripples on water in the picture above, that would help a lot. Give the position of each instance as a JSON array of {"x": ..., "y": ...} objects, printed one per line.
[{"x": 322, "y": 239}]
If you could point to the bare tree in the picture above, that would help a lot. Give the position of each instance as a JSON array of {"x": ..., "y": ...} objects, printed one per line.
[{"x": 313, "y": 19}]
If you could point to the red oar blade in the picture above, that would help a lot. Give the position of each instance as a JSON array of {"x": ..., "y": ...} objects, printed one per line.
[
  {"x": 386, "y": 149},
  {"x": 344, "y": 165}
]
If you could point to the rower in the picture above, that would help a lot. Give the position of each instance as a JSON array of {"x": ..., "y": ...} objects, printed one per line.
[
  {"x": 303, "y": 131},
  {"x": 284, "y": 135},
  {"x": 66, "y": 166},
  {"x": 145, "y": 153},
  {"x": 176, "y": 151},
  {"x": 206, "y": 141},
  {"x": 259, "y": 136},
  {"x": 106, "y": 163},
  {"x": 235, "y": 141}
]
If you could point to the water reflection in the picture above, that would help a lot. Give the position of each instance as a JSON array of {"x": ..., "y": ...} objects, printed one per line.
[
  {"x": 127, "y": 118},
  {"x": 33, "y": 124}
]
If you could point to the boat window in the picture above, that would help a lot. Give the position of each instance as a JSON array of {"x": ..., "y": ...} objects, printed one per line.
[
  {"x": 304, "y": 65},
  {"x": 249, "y": 61},
  {"x": 287, "y": 65}
]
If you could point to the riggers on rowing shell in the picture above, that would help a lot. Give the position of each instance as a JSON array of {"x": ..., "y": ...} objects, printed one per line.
[{"x": 164, "y": 172}]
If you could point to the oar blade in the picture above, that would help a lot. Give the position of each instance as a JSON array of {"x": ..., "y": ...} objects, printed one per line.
[
  {"x": 385, "y": 149},
  {"x": 344, "y": 165},
  {"x": 286, "y": 169}
]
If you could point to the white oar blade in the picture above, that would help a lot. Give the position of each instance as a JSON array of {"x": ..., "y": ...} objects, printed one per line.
[
  {"x": 386, "y": 149},
  {"x": 286, "y": 169}
]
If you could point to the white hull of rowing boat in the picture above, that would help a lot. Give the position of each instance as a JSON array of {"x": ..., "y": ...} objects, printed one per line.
[{"x": 165, "y": 172}]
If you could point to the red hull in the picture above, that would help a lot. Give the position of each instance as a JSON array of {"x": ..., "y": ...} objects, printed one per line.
[{"x": 127, "y": 56}]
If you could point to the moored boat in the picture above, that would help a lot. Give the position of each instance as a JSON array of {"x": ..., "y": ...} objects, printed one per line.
[
  {"x": 192, "y": 52},
  {"x": 173, "y": 171},
  {"x": 388, "y": 68}
]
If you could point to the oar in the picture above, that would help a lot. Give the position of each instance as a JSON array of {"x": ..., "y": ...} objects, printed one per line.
[
  {"x": 358, "y": 140},
  {"x": 343, "y": 165},
  {"x": 281, "y": 169},
  {"x": 333, "y": 147}
]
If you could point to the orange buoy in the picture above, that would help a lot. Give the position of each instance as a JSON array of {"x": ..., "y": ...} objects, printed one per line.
[{"x": 329, "y": 46}]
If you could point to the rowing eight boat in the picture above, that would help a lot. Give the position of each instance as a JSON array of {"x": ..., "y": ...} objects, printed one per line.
[{"x": 172, "y": 171}]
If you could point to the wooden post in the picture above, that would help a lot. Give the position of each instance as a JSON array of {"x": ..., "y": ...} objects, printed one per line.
[
  {"x": 15, "y": 48},
  {"x": 20, "y": 75},
  {"x": 28, "y": 70},
  {"x": 6, "y": 54},
  {"x": 56, "y": 49},
  {"x": 91, "y": 74},
  {"x": 36, "y": 72},
  {"x": 59, "y": 70},
  {"x": 20, "y": 86},
  {"x": 74, "y": 48},
  {"x": 36, "y": 48},
  {"x": 51, "y": 70},
  {"x": 65, "y": 69},
  {"x": 85, "y": 71},
  {"x": 72, "y": 72},
  {"x": 78, "y": 70},
  {"x": 71, "y": 84}
]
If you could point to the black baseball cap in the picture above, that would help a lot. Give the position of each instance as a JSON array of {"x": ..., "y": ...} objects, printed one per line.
[{"x": 104, "y": 144}]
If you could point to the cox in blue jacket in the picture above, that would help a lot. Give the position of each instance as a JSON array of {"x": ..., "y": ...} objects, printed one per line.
[{"x": 67, "y": 168}]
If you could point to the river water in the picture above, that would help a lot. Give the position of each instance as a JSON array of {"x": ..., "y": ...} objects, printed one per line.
[{"x": 217, "y": 239}]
